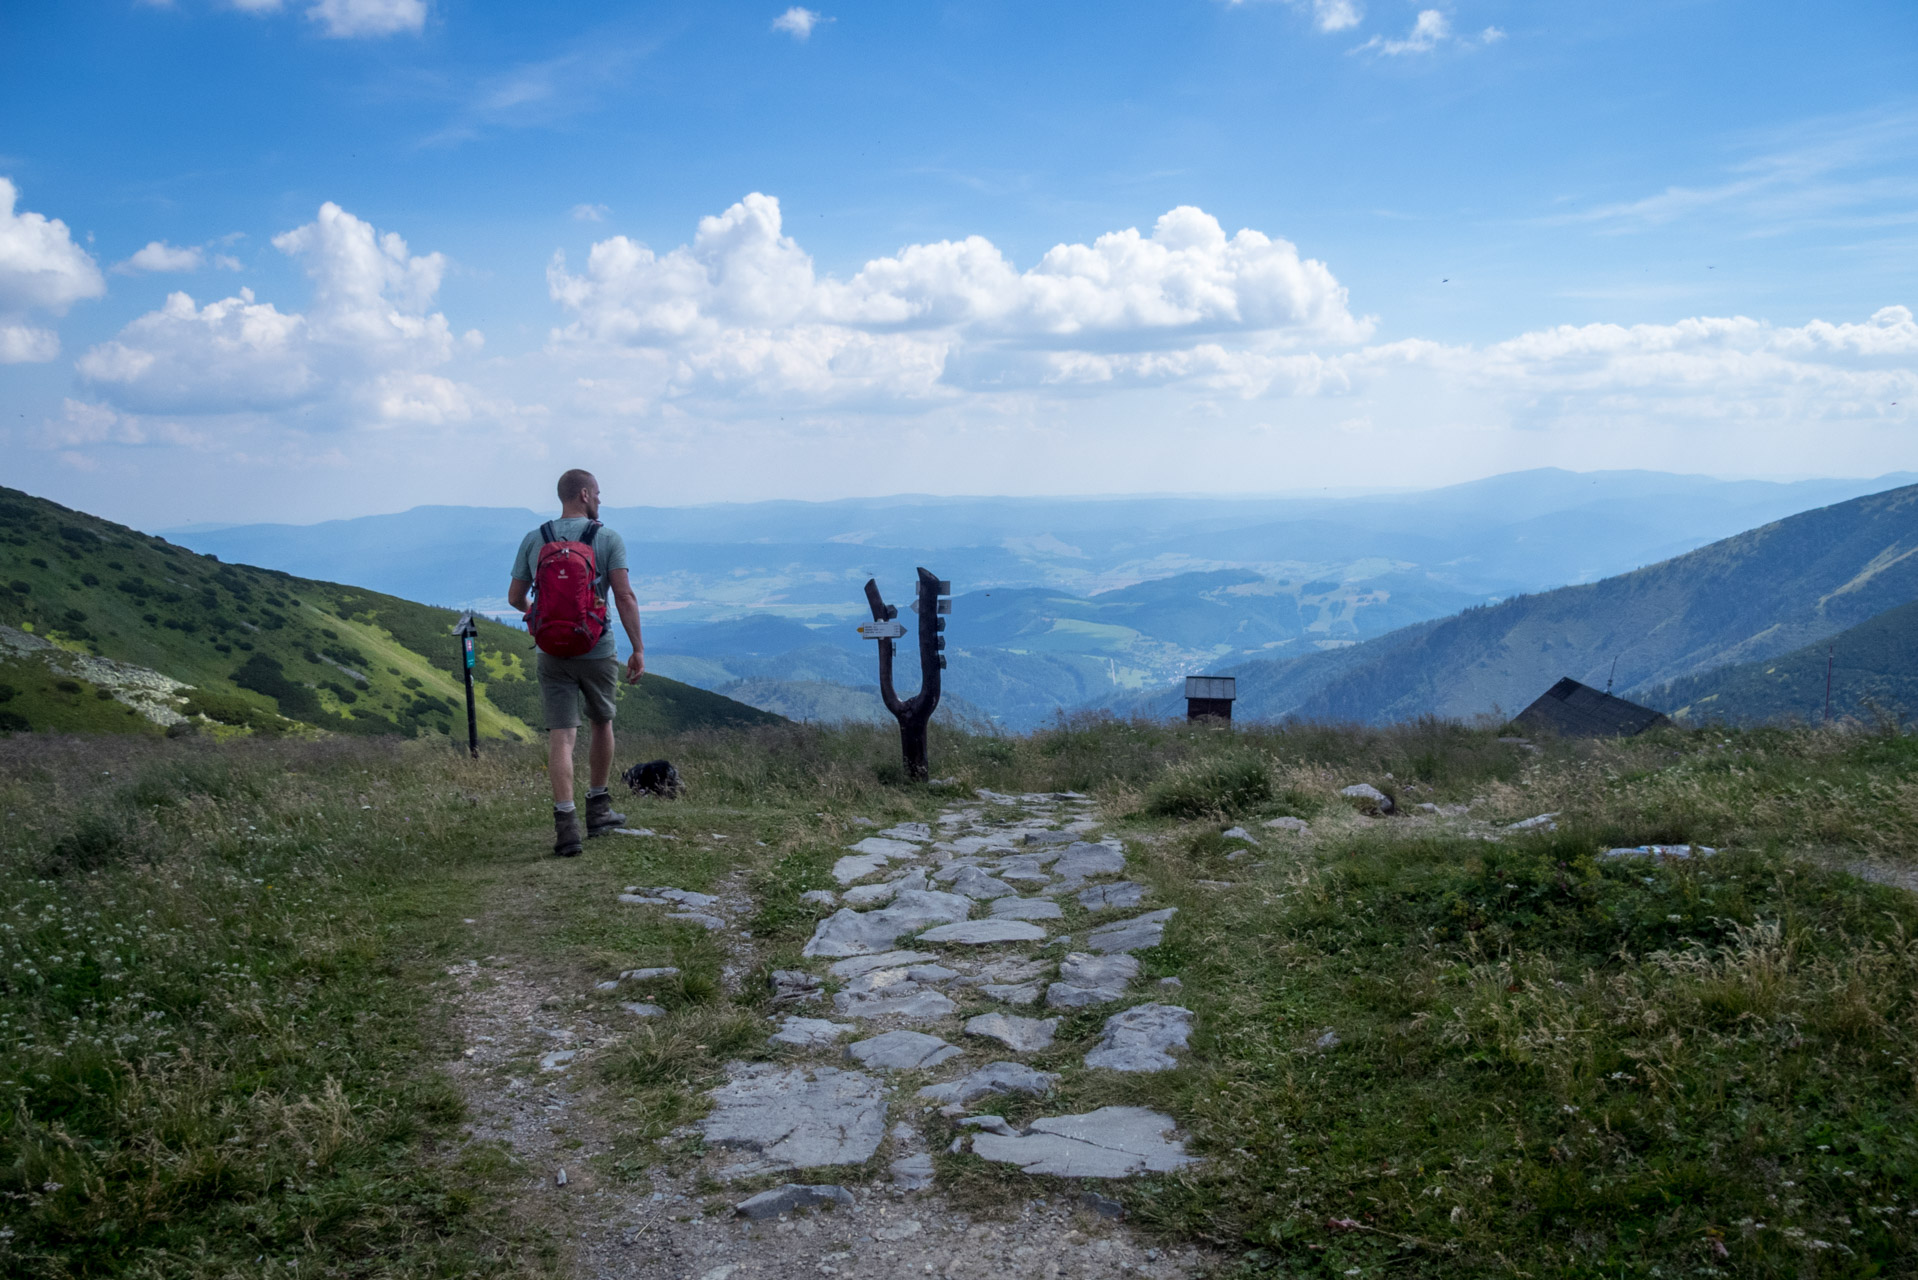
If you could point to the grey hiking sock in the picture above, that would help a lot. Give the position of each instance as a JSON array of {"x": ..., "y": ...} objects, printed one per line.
[{"x": 568, "y": 807}]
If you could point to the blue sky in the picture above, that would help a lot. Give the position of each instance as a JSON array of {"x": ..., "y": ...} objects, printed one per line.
[{"x": 981, "y": 248}]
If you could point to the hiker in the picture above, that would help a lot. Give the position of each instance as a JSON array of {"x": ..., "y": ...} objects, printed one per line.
[{"x": 572, "y": 565}]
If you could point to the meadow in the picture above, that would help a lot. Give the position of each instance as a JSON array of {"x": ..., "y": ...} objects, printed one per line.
[{"x": 1426, "y": 1043}]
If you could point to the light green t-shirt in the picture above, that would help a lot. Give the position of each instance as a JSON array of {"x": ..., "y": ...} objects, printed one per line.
[{"x": 609, "y": 553}]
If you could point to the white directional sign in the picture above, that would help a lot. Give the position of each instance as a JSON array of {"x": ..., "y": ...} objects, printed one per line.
[{"x": 883, "y": 630}]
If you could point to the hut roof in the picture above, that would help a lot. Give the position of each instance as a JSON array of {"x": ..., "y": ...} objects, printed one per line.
[{"x": 1575, "y": 710}]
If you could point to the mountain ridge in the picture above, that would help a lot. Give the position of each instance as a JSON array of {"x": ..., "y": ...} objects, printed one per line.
[{"x": 106, "y": 629}]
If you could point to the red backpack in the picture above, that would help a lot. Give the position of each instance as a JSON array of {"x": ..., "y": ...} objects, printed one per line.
[{"x": 568, "y": 617}]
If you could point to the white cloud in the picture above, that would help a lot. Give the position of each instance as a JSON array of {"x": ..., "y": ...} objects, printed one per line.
[
  {"x": 798, "y": 23},
  {"x": 1335, "y": 15},
  {"x": 1327, "y": 15},
  {"x": 257, "y": 6},
  {"x": 358, "y": 350},
  {"x": 1702, "y": 369},
  {"x": 41, "y": 269},
  {"x": 161, "y": 256},
  {"x": 590, "y": 212},
  {"x": 1429, "y": 30},
  {"x": 25, "y": 344},
  {"x": 741, "y": 310},
  {"x": 348, "y": 18}
]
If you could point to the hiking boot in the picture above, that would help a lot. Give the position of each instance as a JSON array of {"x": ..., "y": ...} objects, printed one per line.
[
  {"x": 566, "y": 841},
  {"x": 600, "y": 817}
]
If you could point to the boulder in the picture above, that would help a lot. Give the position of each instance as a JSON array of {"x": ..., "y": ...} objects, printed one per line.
[
  {"x": 1368, "y": 797},
  {"x": 974, "y": 883}
]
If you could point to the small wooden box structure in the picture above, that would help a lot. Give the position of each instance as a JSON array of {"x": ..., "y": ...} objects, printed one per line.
[{"x": 1210, "y": 697}]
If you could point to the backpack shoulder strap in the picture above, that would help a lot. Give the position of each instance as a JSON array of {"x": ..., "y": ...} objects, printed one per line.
[
  {"x": 546, "y": 533},
  {"x": 592, "y": 527}
]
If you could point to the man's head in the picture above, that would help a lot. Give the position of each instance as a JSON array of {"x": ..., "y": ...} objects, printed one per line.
[{"x": 577, "y": 488}]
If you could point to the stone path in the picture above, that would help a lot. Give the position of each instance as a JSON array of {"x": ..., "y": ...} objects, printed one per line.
[
  {"x": 916, "y": 1005},
  {"x": 941, "y": 932}
]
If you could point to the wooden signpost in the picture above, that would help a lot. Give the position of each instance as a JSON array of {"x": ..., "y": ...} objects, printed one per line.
[{"x": 913, "y": 713}]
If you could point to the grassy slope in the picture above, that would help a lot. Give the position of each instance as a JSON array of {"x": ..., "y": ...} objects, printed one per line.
[
  {"x": 1546, "y": 1064},
  {"x": 1874, "y": 671},
  {"x": 315, "y": 653},
  {"x": 1749, "y": 597}
]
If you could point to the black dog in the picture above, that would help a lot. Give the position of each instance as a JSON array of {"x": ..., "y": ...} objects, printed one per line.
[{"x": 655, "y": 777}]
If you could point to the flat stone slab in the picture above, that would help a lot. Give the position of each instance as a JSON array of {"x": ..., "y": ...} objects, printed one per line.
[
  {"x": 647, "y": 975},
  {"x": 1135, "y": 934},
  {"x": 885, "y": 960},
  {"x": 1013, "y": 993},
  {"x": 794, "y": 1118},
  {"x": 809, "y": 1033},
  {"x": 994, "y": 1077},
  {"x": 1065, "y": 995},
  {"x": 1112, "y": 1142},
  {"x": 1021, "y": 1035},
  {"x": 901, "y": 1051},
  {"x": 700, "y": 918},
  {"x": 974, "y": 883},
  {"x": 916, "y": 1006},
  {"x": 1297, "y": 826},
  {"x": 792, "y": 1197},
  {"x": 912, "y": 1173},
  {"x": 1085, "y": 860},
  {"x": 1123, "y": 894},
  {"x": 1139, "y": 1039},
  {"x": 1026, "y": 909},
  {"x": 1085, "y": 970},
  {"x": 907, "y": 831},
  {"x": 684, "y": 897},
  {"x": 851, "y": 933},
  {"x": 883, "y": 847},
  {"x": 975, "y": 933},
  {"x": 641, "y": 1010},
  {"x": 858, "y": 866}
]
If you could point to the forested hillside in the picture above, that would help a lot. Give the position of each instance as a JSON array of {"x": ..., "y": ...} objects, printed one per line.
[
  {"x": 106, "y": 629},
  {"x": 1873, "y": 670}
]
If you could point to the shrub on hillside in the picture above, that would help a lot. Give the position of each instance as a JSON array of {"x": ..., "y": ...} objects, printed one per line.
[{"x": 1229, "y": 784}]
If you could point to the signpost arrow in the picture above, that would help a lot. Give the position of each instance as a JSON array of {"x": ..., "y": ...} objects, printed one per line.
[{"x": 883, "y": 630}]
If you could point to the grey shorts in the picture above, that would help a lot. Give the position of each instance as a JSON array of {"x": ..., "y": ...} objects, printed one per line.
[{"x": 563, "y": 682}]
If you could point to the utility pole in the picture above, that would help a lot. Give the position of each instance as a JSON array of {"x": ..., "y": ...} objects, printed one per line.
[
  {"x": 915, "y": 713},
  {"x": 468, "y": 632}
]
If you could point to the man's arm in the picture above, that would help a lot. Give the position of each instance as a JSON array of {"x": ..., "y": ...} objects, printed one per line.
[
  {"x": 628, "y": 605},
  {"x": 516, "y": 595}
]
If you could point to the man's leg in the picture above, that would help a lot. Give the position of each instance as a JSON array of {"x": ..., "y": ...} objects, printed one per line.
[
  {"x": 601, "y": 756},
  {"x": 559, "y": 760}
]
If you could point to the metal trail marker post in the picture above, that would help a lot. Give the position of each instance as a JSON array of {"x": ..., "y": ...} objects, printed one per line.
[
  {"x": 913, "y": 713},
  {"x": 468, "y": 632}
]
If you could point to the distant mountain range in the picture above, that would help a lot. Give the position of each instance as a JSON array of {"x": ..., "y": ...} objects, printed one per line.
[
  {"x": 1750, "y": 598},
  {"x": 105, "y": 629},
  {"x": 1063, "y": 603}
]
